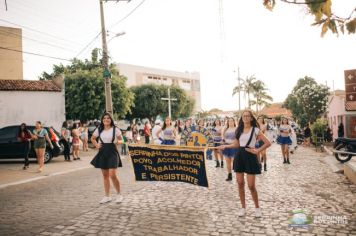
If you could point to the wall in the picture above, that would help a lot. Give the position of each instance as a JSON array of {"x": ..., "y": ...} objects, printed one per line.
[
  {"x": 29, "y": 106},
  {"x": 11, "y": 62},
  {"x": 337, "y": 113},
  {"x": 138, "y": 75}
]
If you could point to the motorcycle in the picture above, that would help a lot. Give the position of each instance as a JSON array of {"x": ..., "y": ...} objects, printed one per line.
[{"x": 344, "y": 149}]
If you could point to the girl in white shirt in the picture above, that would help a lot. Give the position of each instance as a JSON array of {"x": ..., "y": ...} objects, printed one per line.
[
  {"x": 246, "y": 158},
  {"x": 108, "y": 158}
]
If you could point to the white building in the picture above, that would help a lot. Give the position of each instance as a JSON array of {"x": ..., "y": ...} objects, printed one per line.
[
  {"x": 30, "y": 101},
  {"x": 139, "y": 75}
]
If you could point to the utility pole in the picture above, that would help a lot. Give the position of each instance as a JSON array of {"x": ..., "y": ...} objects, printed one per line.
[
  {"x": 169, "y": 99},
  {"x": 106, "y": 73},
  {"x": 238, "y": 80}
]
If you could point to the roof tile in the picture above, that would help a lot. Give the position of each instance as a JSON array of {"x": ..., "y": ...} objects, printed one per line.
[{"x": 28, "y": 85}]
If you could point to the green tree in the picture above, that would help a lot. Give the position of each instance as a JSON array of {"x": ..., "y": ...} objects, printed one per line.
[
  {"x": 148, "y": 102},
  {"x": 308, "y": 100},
  {"x": 323, "y": 14},
  {"x": 84, "y": 89}
]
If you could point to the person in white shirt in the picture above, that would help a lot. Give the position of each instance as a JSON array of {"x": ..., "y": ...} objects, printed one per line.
[
  {"x": 108, "y": 158},
  {"x": 155, "y": 129},
  {"x": 246, "y": 158}
]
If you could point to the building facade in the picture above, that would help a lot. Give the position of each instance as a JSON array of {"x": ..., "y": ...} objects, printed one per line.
[
  {"x": 336, "y": 114},
  {"x": 139, "y": 75},
  {"x": 11, "y": 66},
  {"x": 30, "y": 101}
]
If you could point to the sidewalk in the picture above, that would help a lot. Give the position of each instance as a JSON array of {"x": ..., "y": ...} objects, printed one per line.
[{"x": 12, "y": 173}]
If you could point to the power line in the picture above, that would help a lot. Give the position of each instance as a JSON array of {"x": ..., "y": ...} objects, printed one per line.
[
  {"x": 81, "y": 51},
  {"x": 35, "y": 40},
  {"x": 35, "y": 54},
  {"x": 122, "y": 19},
  {"x": 25, "y": 27}
]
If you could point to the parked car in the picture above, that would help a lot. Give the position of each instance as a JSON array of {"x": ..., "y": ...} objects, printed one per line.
[
  {"x": 11, "y": 148},
  {"x": 91, "y": 128}
]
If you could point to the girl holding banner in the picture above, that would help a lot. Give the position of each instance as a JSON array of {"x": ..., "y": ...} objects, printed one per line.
[
  {"x": 108, "y": 158},
  {"x": 229, "y": 152},
  {"x": 217, "y": 133},
  {"x": 246, "y": 158},
  {"x": 169, "y": 132}
]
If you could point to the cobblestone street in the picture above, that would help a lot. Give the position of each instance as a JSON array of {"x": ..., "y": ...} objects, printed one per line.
[{"x": 67, "y": 205}]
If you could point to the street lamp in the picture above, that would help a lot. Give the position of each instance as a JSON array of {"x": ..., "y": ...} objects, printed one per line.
[{"x": 117, "y": 35}]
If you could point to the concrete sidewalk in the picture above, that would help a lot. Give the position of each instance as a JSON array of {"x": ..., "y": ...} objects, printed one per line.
[{"x": 11, "y": 173}]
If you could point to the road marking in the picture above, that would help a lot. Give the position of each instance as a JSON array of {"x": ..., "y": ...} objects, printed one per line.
[{"x": 42, "y": 177}]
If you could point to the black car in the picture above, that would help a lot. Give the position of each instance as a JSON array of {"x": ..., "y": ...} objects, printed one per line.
[{"x": 11, "y": 148}]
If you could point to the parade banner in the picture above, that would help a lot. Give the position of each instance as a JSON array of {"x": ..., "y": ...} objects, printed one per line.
[
  {"x": 197, "y": 136},
  {"x": 169, "y": 163}
]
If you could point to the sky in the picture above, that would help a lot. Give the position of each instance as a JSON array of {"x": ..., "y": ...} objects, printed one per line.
[{"x": 277, "y": 47}]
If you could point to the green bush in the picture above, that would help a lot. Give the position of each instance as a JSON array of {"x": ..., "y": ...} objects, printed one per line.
[{"x": 318, "y": 128}]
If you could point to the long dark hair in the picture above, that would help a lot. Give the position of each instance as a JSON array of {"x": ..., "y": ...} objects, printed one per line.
[
  {"x": 227, "y": 123},
  {"x": 215, "y": 121},
  {"x": 101, "y": 126},
  {"x": 25, "y": 130},
  {"x": 164, "y": 123},
  {"x": 65, "y": 124},
  {"x": 263, "y": 119},
  {"x": 240, "y": 128}
]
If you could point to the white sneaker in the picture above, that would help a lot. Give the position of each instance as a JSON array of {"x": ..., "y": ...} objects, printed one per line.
[
  {"x": 241, "y": 212},
  {"x": 258, "y": 212},
  {"x": 105, "y": 200},
  {"x": 119, "y": 198}
]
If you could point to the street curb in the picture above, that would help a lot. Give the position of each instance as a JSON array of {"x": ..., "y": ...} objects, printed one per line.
[
  {"x": 335, "y": 166},
  {"x": 327, "y": 150},
  {"x": 42, "y": 177}
]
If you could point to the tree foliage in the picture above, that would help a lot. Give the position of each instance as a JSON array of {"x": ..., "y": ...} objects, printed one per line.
[
  {"x": 256, "y": 88},
  {"x": 308, "y": 100},
  {"x": 260, "y": 94},
  {"x": 323, "y": 15},
  {"x": 84, "y": 89},
  {"x": 148, "y": 102}
]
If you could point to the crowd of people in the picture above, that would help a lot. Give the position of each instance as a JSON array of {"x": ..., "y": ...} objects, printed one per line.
[{"x": 240, "y": 145}]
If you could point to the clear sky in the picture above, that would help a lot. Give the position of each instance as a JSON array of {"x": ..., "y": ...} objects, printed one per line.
[{"x": 277, "y": 47}]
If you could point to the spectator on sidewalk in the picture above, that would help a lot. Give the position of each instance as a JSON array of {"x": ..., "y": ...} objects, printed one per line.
[
  {"x": 84, "y": 135},
  {"x": 156, "y": 128},
  {"x": 65, "y": 140},
  {"x": 24, "y": 136},
  {"x": 147, "y": 132},
  {"x": 307, "y": 135},
  {"x": 129, "y": 135},
  {"x": 340, "y": 130},
  {"x": 123, "y": 145},
  {"x": 75, "y": 141},
  {"x": 40, "y": 135}
]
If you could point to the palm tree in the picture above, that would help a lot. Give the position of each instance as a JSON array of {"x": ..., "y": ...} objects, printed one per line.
[
  {"x": 249, "y": 85},
  {"x": 260, "y": 93}
]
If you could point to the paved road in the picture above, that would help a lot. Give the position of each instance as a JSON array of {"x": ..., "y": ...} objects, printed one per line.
[{"x": 67, "y": 204}]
